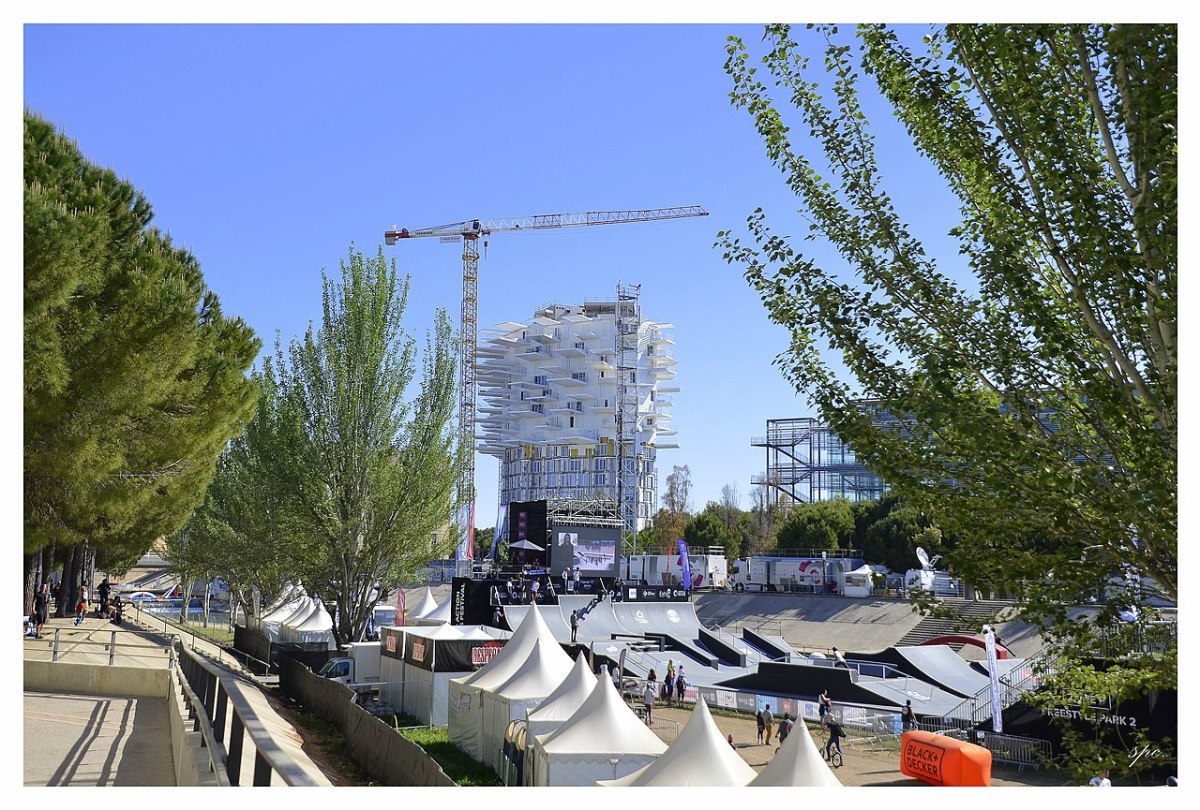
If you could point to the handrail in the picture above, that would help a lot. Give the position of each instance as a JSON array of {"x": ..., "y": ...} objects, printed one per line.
[
  {"x": 59, "y": 649},
  {"x": 222, "y": 703},
  {"x": 216, "y": 749}
]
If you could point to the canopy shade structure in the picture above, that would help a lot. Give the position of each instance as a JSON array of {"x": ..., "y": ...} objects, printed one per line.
[
  {"x": 543, "y": 671},
  {"x": 526, "y": 545},
  {"x": 427, "y": 605},
  {"x": 798, "y": 764},
  {"x": 464, "y": 720},
  {"x": 439, "y": 615},
  {"x": 700, "y": 756},
  {"x": 563, "y": 702},
  {"x": 602, "y": 739}
]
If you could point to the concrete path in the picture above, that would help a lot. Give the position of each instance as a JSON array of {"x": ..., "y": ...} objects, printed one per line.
[{"x": 96, "y": 741}]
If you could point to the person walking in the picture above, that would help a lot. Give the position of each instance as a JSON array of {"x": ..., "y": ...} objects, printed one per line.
[
  {"x": 785, "y": 728},
  {"x": 729, "y": 740},
  {"x": 908, "y": 719},
  {"x": 648, "y": 701},
  {"x": 758, "y": 721},
  {"x": 768, "y": 722},
  {"x": 574, "y": 624},
  {"x": 839, "y": 660}
]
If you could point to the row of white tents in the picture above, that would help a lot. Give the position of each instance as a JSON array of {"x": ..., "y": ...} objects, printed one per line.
[
  {"x": 580, "y": 732},
  {"x": 297, "y": 618}
]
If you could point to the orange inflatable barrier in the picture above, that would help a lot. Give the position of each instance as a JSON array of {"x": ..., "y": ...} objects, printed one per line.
[{"x": 941, "y": 760}]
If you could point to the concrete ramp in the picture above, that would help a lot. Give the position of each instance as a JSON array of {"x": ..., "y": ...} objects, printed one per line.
[
  {"x": 515, "y": 614},
  {"x": 671, "y": 618},
  {"x": 937, "y": 664},
  {"x": 596, "y": 623},
  {"x": 773, "y": 647}
]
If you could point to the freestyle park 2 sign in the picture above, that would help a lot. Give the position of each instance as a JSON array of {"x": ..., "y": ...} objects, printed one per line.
[{"x": 941, "y": 760}]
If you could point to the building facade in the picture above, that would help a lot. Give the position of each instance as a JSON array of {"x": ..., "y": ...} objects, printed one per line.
[{"x": 575, "y": 404}]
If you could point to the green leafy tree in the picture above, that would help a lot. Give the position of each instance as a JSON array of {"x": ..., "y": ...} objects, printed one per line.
[
  {"x": 244, "y": 523},
  {"x": 367, "y": 475},
  {"x": 134, "y": 378},
  {"x": 817, "y": 525},
  {"x": 1032, "y": 411},
  {"x": 483, "y": 542}
]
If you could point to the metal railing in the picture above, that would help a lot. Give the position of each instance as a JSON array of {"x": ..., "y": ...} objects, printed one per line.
[
  {"x": 201, "y": 723},
  {"x": 223, "y": 706},
  {"x": 60, "y": 649}
]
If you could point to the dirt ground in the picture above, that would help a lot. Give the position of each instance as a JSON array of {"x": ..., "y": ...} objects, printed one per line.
[{"x": 865, "y": 764}]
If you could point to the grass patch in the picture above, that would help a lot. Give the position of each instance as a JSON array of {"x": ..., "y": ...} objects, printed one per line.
[{"x": 457, "y": 765}]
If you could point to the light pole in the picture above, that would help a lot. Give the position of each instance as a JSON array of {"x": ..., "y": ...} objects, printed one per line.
[{"x": 824, "y": 572}]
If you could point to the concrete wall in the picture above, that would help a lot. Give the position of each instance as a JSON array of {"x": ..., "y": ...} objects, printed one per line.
[
  {"x": 193, "y": 767},
  {"x": 94, "y": 679}
]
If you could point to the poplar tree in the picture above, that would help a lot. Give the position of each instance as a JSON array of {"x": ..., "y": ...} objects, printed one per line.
[
  {"x": 1027, "y": 401},
  {"x": 134, "y": 379},
  {"x": 365, "y": 473}
]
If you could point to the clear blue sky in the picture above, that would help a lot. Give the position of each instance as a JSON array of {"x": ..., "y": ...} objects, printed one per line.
[{"x": 269, "y": 150}]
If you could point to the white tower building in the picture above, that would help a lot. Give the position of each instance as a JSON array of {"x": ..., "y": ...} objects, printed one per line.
[{"x": 552, "y": 392}]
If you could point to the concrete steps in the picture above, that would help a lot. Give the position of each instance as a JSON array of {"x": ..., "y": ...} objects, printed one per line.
[{"x": 971, "y": 615}]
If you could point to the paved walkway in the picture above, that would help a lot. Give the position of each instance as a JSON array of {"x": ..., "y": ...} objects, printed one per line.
[{"x": 96, "y": 741}]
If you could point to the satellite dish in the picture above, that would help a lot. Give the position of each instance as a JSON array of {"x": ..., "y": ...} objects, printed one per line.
[{"x": 927, "y": 564}]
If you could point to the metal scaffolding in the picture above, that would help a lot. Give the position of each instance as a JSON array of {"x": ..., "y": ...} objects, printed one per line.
[{"x": 807, "y": 462}]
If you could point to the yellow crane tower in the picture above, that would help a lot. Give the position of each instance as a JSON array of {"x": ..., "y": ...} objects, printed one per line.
[{"x": 470, "y": 231}]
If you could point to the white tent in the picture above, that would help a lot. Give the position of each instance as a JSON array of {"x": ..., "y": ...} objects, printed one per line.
[
  {"x": 297, "y": 617},
  {"x": 798, "y": 764},
  {"x": 440, "y": 614},
  {"x": 464, "y": 720},
  {"x": 560, "y": 704},
  {"x": 292, "y": 598},
  {"x": 700, "y": 756},
  {"x": 543, "y": 671},
  {"x": 602, "y": 739},
  {"x": 317, "y": 628},
  {"x": 428, "y": 605},
  {"x": 417, "y": 679}
]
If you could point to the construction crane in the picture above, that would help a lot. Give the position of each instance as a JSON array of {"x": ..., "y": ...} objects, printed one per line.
[{"x": 470, "y": 231}]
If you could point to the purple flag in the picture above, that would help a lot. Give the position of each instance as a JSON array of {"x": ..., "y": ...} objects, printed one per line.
[{"x": 685, "y": 565}]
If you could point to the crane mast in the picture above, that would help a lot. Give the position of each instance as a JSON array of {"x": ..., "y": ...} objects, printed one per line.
[{"x": 470, "y": 231}]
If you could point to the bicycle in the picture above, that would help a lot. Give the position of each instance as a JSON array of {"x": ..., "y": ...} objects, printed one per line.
[{"x": 831, "y": 755}]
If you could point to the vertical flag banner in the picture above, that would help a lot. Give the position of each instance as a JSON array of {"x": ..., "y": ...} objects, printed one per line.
[
  {"x": 685, "y": 565},
  {"x": 989, "y": 643}
]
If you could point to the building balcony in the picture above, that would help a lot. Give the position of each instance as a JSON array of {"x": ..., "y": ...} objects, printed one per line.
[
  {"x": 569, "y": 382},
  {"x": 572, "y": 352}
]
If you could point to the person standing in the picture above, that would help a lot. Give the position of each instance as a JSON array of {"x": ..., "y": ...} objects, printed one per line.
[
  {"x": 668, "y": 691},
  {"x": 680, "y": 684},
  {"x": 533, "y": 591},
  {"x": 102, "y": 591},
  {"x": 1100, "y": 779},
  {"x": 908, "y": 719},
  {"x": 768, "y": 722},
  {"x": 41, "y": 609},
  {"x": 824, "y": 704},
  {"x": 758, "y": 721},
  {"x": 648, "y": 701},
  {"x": 566, "y": 575},
  {"x": 729, "y": 740},
  {"x": 576, "y": 577},
  {"x": 574, "y": 624}
]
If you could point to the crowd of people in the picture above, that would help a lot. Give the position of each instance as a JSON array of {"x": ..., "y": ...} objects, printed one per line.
[{"x": 108, "y": 606}]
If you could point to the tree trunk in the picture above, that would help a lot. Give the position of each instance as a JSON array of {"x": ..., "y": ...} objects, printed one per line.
[
  {"x": 33, "y": 570},
  {"x": 68, "y": 590},
  {"x": 47, "y": 563}
]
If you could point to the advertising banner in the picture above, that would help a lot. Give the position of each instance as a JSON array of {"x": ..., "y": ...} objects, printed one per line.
[{"x": 685, "y": 565}]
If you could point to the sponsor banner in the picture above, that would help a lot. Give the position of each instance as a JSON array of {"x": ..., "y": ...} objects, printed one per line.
[
  {"x": 656, "y": 593},
  {"x": 392, "y": 643},
  {"x": 685, "y": 565},
  {"x": 941, "y": 760},
  {"x": 458, "y": 600}
]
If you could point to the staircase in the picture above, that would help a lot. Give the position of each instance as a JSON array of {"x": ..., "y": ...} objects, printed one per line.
[{"x": 971, "y": 616}]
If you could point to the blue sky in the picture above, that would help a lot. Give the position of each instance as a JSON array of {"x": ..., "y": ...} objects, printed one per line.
[{"x": 268, "y": 150}]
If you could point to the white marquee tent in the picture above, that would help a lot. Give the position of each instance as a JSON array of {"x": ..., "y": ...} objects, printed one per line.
[
  {"x": 317, "y": 628},
  {"x": 560, "y": 704},
  {"x": 464, "y": 720},
  {"x": 440, "y": 614},
  {"x": 422, "y": 689},
  {"x": 543, "y": 671},
  {"x": 798, "y": 764},
  {"x": 602, "y": 739},
  {"x": 427, "y": 605},
  {"x": 700, "y": 756}
]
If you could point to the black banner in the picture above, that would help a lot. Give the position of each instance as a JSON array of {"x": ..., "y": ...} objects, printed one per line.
[
  {"x": 654, "y": 593},
  {"x": 391, "y": 642}
]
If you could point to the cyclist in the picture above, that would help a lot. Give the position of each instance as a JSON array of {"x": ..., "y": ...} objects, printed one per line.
[{"x": 835, "y": 737}]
